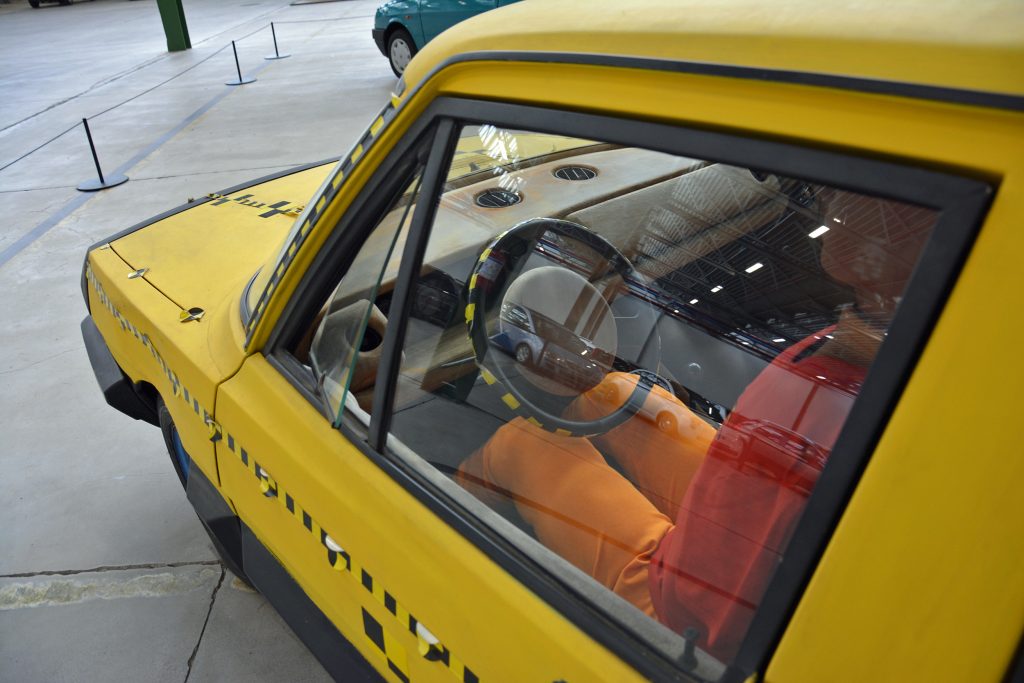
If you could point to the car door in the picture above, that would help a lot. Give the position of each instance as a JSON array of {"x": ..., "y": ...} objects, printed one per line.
[
  {"x": 353, "y": 441},
  {"x": 438, "y": 15},
  {"x": 733, "y": 290}
]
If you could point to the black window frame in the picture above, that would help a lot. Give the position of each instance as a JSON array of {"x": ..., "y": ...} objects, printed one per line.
[{"x": 962, "y": 202}]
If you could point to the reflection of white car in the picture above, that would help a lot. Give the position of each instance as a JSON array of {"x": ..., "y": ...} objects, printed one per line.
[
  {"x": 537, "y": 341},
  {"x": 516, "y": 334}
]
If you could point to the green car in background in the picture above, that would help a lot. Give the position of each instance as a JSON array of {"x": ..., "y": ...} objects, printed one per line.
[{"x": 402, "y": 27}]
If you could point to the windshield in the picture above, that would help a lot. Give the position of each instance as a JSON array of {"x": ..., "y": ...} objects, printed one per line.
[{"x": 490, "y": 150}]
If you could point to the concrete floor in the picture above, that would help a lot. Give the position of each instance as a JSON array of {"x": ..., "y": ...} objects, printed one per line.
[{"x": 106, "y": 573}]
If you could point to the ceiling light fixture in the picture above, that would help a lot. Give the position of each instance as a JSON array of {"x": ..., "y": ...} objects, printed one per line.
[{"x": 818, "y": 232}]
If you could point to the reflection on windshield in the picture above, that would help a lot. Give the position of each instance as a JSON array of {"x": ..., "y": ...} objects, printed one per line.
[{"x": 487, "y": 149}]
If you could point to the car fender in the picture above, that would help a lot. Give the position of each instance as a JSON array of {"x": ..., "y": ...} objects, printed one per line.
[{"x": 404, "y": 14}]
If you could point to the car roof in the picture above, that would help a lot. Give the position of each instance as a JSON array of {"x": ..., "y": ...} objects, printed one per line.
[{"x": 976, "y": 45}]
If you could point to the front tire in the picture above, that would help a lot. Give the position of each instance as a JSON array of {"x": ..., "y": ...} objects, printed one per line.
[
  {"x": 401, "y": 50},
  {"x": 179, "y": 457}
]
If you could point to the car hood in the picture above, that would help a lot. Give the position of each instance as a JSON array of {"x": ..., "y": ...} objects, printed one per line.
[{"x": 198, "y": 254}]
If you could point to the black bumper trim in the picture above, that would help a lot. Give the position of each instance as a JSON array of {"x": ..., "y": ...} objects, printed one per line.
[
  {"x": 245, "y": 555},
  {"x": 378, "y": 37},
  {"x": 337, "y": 655},
  {"x": 223, "y": 526},
  {"x": 117, "y": 389}
]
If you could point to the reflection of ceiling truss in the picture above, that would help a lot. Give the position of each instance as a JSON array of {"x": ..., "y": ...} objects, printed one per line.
[{"x": 701, "y": 244}]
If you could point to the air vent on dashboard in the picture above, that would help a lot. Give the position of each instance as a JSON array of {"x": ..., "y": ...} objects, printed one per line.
[
  {"x": 496, "y": 198},
  {"x": 575, "y": 173}
]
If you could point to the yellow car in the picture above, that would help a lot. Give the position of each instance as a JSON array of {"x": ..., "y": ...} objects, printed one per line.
[{"x": 664, "y": 342}]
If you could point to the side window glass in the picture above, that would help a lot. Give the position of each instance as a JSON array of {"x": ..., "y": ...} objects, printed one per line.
[
  {"x": 644, "y": 361},
  {"x": 343, "y": 345}
]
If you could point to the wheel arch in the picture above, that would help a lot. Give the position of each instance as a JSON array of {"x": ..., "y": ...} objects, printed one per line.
[
  {"x": 395, "y": 25},
  {"x": 148, "y": 393}
]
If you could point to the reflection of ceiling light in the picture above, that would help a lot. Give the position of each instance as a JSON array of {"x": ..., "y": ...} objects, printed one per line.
[
  {"x": 818, "y": 232},
  {"x": 693, "y": 301},
  {"x": 820, "y": 376},
  {"x": 778, "y": 341},
  {"x": 675, "y": 310},
  {"x": 757, "y": 266},
  {"x": 837, "y": 220},
  {"x": 716, "y": 288},
  {"x": 829, "y": 336}
]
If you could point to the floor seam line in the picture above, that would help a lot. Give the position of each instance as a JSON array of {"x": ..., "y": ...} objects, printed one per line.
[
  {"x": 202, "y": 632},
  {"x": 110, "y": 568}
]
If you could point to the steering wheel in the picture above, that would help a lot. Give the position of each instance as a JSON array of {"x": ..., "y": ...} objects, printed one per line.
[{"x": 505, "y": 257}]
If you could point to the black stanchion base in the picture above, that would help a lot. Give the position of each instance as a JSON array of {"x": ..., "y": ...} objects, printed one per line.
[
  {"x": 277, "y": 57},
  {"x": 242, "y": 82},
  {"x": 96, "y": 184}
]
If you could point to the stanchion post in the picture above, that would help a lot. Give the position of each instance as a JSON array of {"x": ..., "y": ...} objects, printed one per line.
[
  {"x": 103, "y": 183},
  {"x": 277, "y": 54},
  {"x": 92, "y": 148},
  {"x": 240, "y": 81}
]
